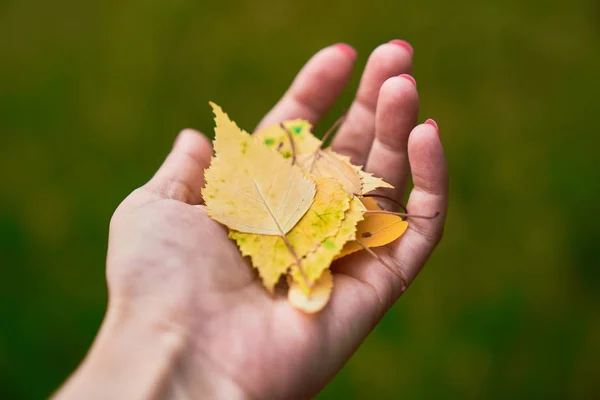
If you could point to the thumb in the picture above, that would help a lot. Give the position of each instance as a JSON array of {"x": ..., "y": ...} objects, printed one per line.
[{"x": 181, "y": 176}]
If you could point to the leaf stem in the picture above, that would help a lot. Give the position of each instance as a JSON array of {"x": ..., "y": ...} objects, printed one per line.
[
  {"x": 317, "y": 151},
  {"x": 333, "y": 127},
  {"x": 291, "y": 249},
  {"x": 292, "y": 144},
  {"x": 402, "y": 214},
  {"x": 316, "y": 156},
  {"x": 285, "y": 239},
  {"x": 381, "y": 196},
  {"x": 394, "y": 271}
]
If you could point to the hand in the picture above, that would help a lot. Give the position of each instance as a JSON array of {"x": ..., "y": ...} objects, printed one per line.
[{"x": 187, "y": 316}]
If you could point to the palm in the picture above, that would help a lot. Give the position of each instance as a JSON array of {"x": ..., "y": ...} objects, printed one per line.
[{"x": 236, "y": 330}]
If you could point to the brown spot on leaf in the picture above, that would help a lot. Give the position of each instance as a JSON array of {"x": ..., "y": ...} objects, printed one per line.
[{"x": 367, "y": 235}]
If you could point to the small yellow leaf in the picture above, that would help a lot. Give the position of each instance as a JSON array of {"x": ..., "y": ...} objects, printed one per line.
[
  {"x": 275, "y": 137},
  {"x": 319, "y": 260},
  {"x": 375, "y": 230},
  {"x": 370, "y": 182},
  {"x": 323, "y": 219},
  {"x": 251, "y": 188},
  {"x": 317, "y": 299},
  {"x": 328, "y": 163}
]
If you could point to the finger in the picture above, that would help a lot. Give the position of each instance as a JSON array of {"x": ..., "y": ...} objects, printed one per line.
[
  {"x": 316, "y": 87},
  {"x": 428, "y": 197},
  {"x": 408, "y": 254},
  {"x": 181, "y": 177},
  {"x": 356, "y": 134},
  {"x": 396, "y": 116}
]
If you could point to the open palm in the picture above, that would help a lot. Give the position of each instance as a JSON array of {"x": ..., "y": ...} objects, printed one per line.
[{"x": 168, "y": 261}]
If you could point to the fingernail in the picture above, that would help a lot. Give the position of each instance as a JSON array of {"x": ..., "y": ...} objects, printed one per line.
[
  {"x": 410, "y": 78},
  {"x": 404, "y": 44},
  {"x": 434, "y": 124},
  {"x": 346, "y": 48}
]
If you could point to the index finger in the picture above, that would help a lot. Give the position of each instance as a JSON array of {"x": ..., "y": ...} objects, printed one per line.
[{"x": 316, "y": 87}]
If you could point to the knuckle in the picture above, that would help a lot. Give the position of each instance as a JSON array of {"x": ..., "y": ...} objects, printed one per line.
[
  {"x": 134, "y": 200},
  {"x": 432, "y": 236},
  {"x": 177, "y": 189}
]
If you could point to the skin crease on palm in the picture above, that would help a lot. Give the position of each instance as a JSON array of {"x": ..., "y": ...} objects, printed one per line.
[{"x": 187, "y": 317}]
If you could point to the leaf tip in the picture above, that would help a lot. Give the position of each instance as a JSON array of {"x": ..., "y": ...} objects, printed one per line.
[{"x": 317, "y": 299}]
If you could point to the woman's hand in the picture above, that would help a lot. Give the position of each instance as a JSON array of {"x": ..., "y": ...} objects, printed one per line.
[{"x": 187, "y": 316}]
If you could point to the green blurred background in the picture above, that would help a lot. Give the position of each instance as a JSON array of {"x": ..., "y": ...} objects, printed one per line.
[{"x": 93, "y": 93}]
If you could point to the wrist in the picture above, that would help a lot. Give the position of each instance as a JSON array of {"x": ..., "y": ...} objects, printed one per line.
[{"x": 134, "y": 356}]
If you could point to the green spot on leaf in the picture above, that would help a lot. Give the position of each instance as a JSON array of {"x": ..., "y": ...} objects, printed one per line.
[
  {"x": 328, "y": 243},
  {"x": 269, "y": 141},
  {"x": 297, "y": 129},
  {"x": 287, "y": 154}
]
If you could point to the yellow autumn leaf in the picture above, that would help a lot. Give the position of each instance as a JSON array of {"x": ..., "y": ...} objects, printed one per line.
[
  {"x": 276, "y": 137},
  {"x": 293, "y": 217},
  {"x": 320, "y": 259},
  {"x": 370, "y": 182},
  {"x": 318, "y": 297},
  {"x": 270, "y": 254},
  {"x": 375, "y": 230},
  {"x": 328, "y": 163},
  {"x": 251, "y": 188}
]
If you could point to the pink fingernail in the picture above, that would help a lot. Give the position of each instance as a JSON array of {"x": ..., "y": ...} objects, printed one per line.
[
  {"x": 434, "y": 124},
  {"x": 410, "y": 78},
  {"x": 404, "y": 44},
  {"x": 346, "y": 48}
]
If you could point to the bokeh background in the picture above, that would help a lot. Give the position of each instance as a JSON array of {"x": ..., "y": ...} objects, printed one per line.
[{"x": 92, "y": 94}]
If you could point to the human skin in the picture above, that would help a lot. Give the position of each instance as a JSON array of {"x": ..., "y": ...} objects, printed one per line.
[{"x": 188, "y": 318}]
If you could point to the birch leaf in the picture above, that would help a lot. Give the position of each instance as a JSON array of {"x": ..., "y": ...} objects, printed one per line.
[
  {"x": 323, "y": 219},
  {"x": 370, "y": 182},
  {"x": 375, "y": 230},
  {"x": 251, "y": 188},
  {"x": 318, "y": 297},
  {"x": 328, "y": 163}
]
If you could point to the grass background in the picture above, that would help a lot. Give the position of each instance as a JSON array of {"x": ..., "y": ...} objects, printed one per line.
[{"x": 93, "y": 93}]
